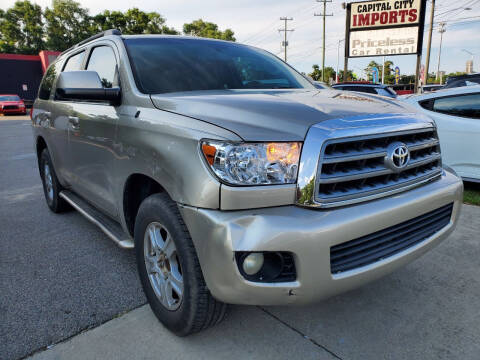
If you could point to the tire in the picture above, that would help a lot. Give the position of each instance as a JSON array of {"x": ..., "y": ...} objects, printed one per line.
[
  {"x": 184, "y": 307},
  {"x": 51, "y": 186}
]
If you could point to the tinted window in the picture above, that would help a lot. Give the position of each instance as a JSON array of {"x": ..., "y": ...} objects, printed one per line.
[
  {"x": 9, "y": 98},
  {"x": 74, "y": 62},
  {"x": 364, "y": 89},
  {"x": 169, "y": 65},
  {"x": 465, "y": 105},
  {"x": 472, "y": 82},
  {"x": 384, "y": 92},
  {"x": 48, "y": 80},
  {"x": 102, "y": 60}
]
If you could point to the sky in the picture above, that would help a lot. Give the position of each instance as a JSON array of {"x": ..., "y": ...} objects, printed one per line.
[{"x": 256, "y": 22}]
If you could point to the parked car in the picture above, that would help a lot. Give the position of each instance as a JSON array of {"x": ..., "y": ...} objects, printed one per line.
[
  {"x": 457, "y": 115},
  {"x": 431, "y": 88},
  {"x": 12, "y": 104},
  {"x": 235, "y": 180},
  {"x": 366, "y": 87},
  {"x": 403, "y": 89},
  {"x": 462, "y": 80}
]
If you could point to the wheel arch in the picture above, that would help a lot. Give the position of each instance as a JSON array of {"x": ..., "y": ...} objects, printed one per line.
[
  {"x": 40, "y": 145},
  {"x": 137, "y": 188}
]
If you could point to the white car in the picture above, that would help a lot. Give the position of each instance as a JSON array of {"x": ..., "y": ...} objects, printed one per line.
[{"x": 457, "y": 114}]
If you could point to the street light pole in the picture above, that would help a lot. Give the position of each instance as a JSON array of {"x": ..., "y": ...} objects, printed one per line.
[
  {"x": 441, "y": 31},
  {"x": 383, "y": 71},
  {"x": 337, "y": 77}
]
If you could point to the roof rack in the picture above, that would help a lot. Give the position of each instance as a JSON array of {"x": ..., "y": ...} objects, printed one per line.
[{"x": 96, "y": 36}]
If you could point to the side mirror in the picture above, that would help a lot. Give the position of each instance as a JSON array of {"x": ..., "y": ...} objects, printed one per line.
[{"x": 85, "y": 85}]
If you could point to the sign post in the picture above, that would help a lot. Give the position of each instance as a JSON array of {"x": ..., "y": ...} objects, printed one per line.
[
  {"x": 385, "y": 27},
  {"x": 397, "y": 75},
  {"x": 375, "y": 75}
]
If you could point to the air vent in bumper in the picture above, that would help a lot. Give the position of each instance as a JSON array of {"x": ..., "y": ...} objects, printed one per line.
[{"x": 385, "y": 243}]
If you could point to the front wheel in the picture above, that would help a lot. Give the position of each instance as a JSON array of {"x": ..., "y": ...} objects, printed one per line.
[{"x": 170, "y": 271}]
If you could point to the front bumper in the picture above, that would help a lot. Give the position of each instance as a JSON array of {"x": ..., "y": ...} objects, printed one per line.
[
  {"x": 309, "y": 234},
  {"x": 14, "y": 111}
]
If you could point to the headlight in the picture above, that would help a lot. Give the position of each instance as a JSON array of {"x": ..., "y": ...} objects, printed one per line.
[{"x": 253, "y": 163}]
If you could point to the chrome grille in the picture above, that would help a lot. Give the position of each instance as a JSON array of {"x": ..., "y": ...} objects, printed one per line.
[{"x": 354, "y": 169}]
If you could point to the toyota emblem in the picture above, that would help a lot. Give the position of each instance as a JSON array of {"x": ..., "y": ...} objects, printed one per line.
[{"x": 397, "y": 157}]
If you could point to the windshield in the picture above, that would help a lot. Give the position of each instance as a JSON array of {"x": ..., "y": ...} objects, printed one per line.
[
  {"x": 9, "y": 98},
  {"x": 163, "y": 65}
]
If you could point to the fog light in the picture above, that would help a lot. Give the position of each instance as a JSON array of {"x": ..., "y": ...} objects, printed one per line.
[{"x": 252, "y": 263}]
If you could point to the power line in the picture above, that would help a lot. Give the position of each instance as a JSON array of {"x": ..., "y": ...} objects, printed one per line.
[{"x": 266, "y": 32}]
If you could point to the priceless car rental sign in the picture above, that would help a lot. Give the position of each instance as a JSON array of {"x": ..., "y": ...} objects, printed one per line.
[{"x": 385, "y": 27}]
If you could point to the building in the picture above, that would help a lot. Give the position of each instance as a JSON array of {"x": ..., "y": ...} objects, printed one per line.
[{"x": 21, "y": 74}]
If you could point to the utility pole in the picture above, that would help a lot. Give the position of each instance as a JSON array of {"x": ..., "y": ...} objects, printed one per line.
[
  {"x": 441, "y": 31},
  {"x": 347, "y": 22},
  {"x": 323, "y": 46},
  {"x": 285, "y": 30},
  {"x": 429, "y": 45}
]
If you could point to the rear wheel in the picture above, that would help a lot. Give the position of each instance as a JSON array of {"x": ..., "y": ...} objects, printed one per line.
[
  {"x": 51, "y": 186},
  {"x": 170, "y": 271}
]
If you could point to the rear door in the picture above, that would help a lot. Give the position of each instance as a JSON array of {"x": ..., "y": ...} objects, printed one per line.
[
  {"x": 92, "y": 134},
  {"x": 458, "y": 122}
]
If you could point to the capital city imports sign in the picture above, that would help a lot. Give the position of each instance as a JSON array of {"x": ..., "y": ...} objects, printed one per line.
[{"x": 385, "y": 27}]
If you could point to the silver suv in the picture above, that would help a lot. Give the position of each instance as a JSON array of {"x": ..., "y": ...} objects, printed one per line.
[{"x": 233, "y": 177}]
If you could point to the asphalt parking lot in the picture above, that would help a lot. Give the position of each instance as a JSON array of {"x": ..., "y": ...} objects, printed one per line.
[{"x": 60, "y": 276}]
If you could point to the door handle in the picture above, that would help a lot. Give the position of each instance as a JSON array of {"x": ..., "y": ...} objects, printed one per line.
[{"x": 75, "y": 121}]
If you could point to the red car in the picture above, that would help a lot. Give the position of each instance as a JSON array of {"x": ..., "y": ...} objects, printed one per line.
[{"x": 12, "y": 104}]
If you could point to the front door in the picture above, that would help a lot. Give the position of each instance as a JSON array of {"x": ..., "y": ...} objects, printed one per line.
[{"x": 92, "y": 135}]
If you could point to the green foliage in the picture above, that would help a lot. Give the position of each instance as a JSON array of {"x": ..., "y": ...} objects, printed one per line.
[
  {"x": 350, "y": 76},
  {"x": 457, "y": 73},
  {"x": 67, "y": 24},
  {"x": 316, "y": 74},
  {"x": 26, "y": 29},
  {"x": 307, "y": 193},
  {"x": 407, "y": 79},
  {"x": 389, "y": 71},
  {"x": 21, "y": 28},
  {"x": 208, "y": 30},
  {"x": 133, "y": 21}
]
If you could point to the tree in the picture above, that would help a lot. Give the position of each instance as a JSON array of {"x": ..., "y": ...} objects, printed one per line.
[
  {"x": 208, "y": 30},
  {"x": 316, "y": 74},
  {"x": 21, "y": 29},
  {"x": 109, "y": 20},
  {"x": 350, "y": 76},
  {"x": 67, "y": 24},
  {"x": 133, "y": 21},
  {"x": 407, "y": 79},
  {"x": 389, "y": 71}
]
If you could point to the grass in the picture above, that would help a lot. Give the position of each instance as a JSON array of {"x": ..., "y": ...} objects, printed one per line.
[{"x": 472, "y": 194}]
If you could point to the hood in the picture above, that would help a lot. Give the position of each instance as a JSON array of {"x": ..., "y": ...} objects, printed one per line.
[{"x": 274, "y": 115}]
